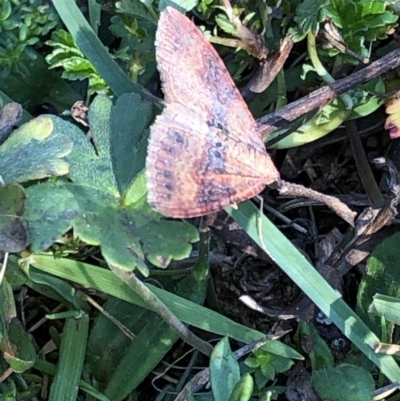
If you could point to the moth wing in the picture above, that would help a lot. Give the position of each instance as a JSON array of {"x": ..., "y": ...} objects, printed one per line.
[
  {"x": 194, "y": 169},
  {"x": 193, "y": 74}
]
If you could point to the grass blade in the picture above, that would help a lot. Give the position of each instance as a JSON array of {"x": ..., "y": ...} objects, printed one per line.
[
  {"x": 295, "y": 265},
  {"x": 72, "y": 354},
  {"x": 93, "y": 49},
  {"x": 189, "y": 312}
]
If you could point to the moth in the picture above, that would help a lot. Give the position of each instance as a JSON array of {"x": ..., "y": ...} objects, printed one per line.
[{"x": 205, "y": 151}]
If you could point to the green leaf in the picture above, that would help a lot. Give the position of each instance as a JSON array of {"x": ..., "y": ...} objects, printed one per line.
[
  {"x": 182, "y": 5},
  {"x": 293, "y": 263},
  {"x": 76, "y": 67},
  {"x": 125, "y": 226},
  {"x": 39, "y": 85},
  {"x": 243, "y": 389},
  {"x": 128, "y": 137},
  {"x": 153, "y": 337},
  {"x": 386, "y": 306},
  {"x": 361, "y": 21},
  {"x": 19, "y": 352},
  {"x": 35, "y": 151},
  {"x": 13, "y": 229},
  {"x": 22, "y": 24},
  {"x": 90, "y": 45},
  {"x": 269, "y": 364},
  {"x": 136, "y": 8},
  {"x": 224, "y": 371},
  {"x": 189, "y": 312},
  {"x": 111, "y": 354},
  {"x": 320, "y": 354},
  {"x": 69, "y": 295},
  {"x": 6, "y": 10},
  {"x": 50, "y": 369},
  {"x": 16, "y": 345},
  {"x": 382, "y": 276},
  {"x": 328, "y": 119},
  {"x": 344, "y": 382},
  {"x": 72, "y": 354},
  {"x": 366, "y": 98},
  {"x": 309, "y": 14}
]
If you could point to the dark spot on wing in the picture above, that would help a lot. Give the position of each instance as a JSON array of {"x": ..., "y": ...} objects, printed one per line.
[
  {"x": 169, "y": 149},
  {"x": 212, "y": 192},
  {"x": 215, "y": 123},
  {"x": 178, "y": 137},
  {"x": 215, "y": 160},
  {"x": 168, "y": 174}
]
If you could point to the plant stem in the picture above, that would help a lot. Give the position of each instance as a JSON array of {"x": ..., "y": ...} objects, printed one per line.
[
  {"x": 318, "y": 67},
  {"x": 321, "y": 71},
  {"x": 159, "y": 307}
]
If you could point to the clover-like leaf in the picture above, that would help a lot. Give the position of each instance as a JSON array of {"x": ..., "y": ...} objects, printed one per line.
[
  {"x": 35, "y": 151},
  {"x": 106, "y": 201},
  {"x": 344, "y": 382}
]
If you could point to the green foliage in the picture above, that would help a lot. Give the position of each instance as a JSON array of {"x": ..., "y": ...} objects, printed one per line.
[
  {"x": 72, "y": 354},
  {"x": 67, "y": 56},
  {"x": 102, "y": 197},
  {"x": 33, "y": 151},
  {"x": 359, "y": 21},
  {"x": 137, "y": 10},
  {"x": 382, "y": 276},
  {"x": 344, "y": 382},
  {"x": 22, "y": 24},
  {"x": 309, "y": 15},
  {"x": 111, "y": 354},
  {"x": 266, "y": 366},
  {"x": 106, "y": 201},
  {"x": 224, "y": 371},
  {"x": 135, "y": 24},
  {"x": 320, "y": 355},
  {"x": 16, "y": 347}
]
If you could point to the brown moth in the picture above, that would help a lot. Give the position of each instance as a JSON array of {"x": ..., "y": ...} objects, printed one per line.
[{"x": 205, "y": 151}]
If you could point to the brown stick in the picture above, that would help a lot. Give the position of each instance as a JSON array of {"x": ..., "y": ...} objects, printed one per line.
[
  {"x": 321, "y": 97},
  {"x": 342, "y": 210}
]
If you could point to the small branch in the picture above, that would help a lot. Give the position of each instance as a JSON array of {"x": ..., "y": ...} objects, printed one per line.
[
  {"x": 267, "y": 71},
  {"x": 321, "y": 97},
  {"x": 159, "y": 307},
  {"x": 342, "y": 210},
  {"x": 321, "y": 70}
]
